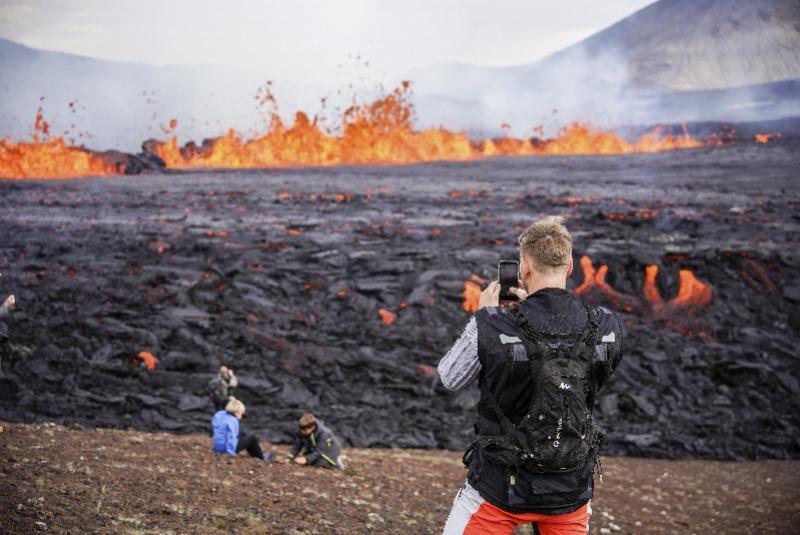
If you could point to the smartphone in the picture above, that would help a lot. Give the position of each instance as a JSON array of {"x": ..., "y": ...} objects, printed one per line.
[{"x": 508, "y": 275}]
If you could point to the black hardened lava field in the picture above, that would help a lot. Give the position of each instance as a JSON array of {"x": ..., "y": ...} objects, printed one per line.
[{"x": 338, "y": 290}]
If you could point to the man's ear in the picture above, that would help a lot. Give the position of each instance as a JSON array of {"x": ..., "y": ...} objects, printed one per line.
[
  {"x": 524, "y": 267},
  {"x": 569, "y": 267}
]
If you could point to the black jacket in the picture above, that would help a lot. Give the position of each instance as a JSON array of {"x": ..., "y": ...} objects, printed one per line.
[
  {"x": 321, "y": 447},
  {"x": 560, "y": 318}
]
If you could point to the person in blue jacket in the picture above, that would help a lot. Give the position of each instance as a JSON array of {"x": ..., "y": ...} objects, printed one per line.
[{"x": 227, "y": 437}]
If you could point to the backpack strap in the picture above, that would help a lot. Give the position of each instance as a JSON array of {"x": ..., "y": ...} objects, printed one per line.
[
  {"x": 535, "y": 346},
  {"x": 589, "y": 335},
  {"x": 591, "y": 342},
  {"x": 505, "y": 423}
]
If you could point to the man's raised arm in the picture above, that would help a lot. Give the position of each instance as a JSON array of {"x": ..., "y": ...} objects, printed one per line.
[{"x": 460, "y": 365}]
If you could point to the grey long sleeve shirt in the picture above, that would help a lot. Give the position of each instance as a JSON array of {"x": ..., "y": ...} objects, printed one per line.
[{"x": 460, "y": 366}]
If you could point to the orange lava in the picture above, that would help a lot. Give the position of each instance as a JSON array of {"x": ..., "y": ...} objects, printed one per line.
[
  {"x": 692, "y": 293},
  {"x": 580, "y": 138},
  {"x": 387, "y": 316},
  {"x": 472, "y": 293},
  {"x": 766, "y": 138},
  {"x": 381, "y": 133},
  {"x": 150, "y": 361},
  {"x": 650, "y": 289},
  {"x": 595, "y": 279},
  {"x": 48, "y": 157}
]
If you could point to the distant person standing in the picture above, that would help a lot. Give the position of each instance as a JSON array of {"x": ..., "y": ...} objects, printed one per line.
[
  {"x": 315, "y": 445},
  {"x": 227, "y": 437},
  {"x": 221, "y": 387}
]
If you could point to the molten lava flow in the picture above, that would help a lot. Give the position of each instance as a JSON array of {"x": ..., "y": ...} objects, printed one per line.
[
  {"x": 381, "y": 132},
  {"x": 387, "y": 316},
  {"x": 148, "y": 359},
  {"x": 595, "y": 279},
  {"x": 48, "y": 157},
  {"x": 650, "y": 289},
  {"x": 766, "y": 138},
  {"x": 693, "y": 294},
  {"x": 472, "y": 293},
  {"x": 581, "y": 138}
]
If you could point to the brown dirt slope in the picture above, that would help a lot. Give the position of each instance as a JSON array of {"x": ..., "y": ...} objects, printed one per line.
[{"x": 62, "y": 480}]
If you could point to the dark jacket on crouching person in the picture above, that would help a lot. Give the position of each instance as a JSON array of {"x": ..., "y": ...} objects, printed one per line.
[
  {"x": 320, "y": 448},
  {"x": 491, "y": 348}
]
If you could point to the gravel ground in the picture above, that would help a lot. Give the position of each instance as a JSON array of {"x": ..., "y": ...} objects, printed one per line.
[{"x": 62, "y": 480}]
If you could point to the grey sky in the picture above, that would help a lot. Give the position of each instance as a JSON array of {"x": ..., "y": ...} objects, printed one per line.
[{"x": 307, "y": 39}]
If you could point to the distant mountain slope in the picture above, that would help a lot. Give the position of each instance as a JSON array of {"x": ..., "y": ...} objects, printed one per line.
[
  {"x": 691, "y": 45},
  {"x": 731, "y": 52},
  {"x": 121, "y": 104}
]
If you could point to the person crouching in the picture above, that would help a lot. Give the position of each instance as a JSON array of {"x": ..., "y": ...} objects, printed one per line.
[
  {"x": 227, "y": 438},
  {"x": 316, "y": 445}
]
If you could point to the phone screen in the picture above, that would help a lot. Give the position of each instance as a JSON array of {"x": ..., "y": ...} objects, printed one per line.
[{"x": 508, "y": 275}]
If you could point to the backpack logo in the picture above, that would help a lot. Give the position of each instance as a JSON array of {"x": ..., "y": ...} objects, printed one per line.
[{"x": 564, "y": 386}]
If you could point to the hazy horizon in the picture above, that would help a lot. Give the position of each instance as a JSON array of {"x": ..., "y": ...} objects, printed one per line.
[{"x": 310, "y": 41}]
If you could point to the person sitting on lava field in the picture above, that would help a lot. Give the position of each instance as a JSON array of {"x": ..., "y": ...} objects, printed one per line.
[
  {"x": 227, "y": 437},
  {"x": 221, "y": 387},
  {"x": 315, "y": 445}
]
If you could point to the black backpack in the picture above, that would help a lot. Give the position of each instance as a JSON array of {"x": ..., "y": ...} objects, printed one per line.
[{"x": 557, "y": 433}]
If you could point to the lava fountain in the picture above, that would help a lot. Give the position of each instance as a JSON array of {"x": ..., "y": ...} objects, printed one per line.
[
  {"x": 381, "y": 132},
  {"x": 48, "y": 157}
]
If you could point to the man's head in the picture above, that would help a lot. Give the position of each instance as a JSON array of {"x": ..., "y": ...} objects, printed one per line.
[
  {"x": 307, "y": 423},
  {"x": 224, "y": 372},
  {"x": 235, "y": 407},
  {"x": 545, "y": 254}
]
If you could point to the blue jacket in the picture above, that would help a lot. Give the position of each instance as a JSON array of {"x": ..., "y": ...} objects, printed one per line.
[{"x": 226, "y": 432}]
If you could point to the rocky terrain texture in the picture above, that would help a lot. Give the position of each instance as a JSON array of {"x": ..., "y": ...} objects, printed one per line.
[
  {"x": 63, "y": 480},
  {"x": 338, "y": 290}
]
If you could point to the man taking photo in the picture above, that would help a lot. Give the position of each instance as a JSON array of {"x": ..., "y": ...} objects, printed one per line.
[{"x": 540, "y": 365}]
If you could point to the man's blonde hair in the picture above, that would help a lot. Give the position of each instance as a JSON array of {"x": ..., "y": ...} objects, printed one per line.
[
  {"x": 234, "y": 406},
  {"x": 547, "y": 243}
]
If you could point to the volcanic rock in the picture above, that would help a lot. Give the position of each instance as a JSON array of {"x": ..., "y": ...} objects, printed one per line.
[{"x": 203, "y": 269}]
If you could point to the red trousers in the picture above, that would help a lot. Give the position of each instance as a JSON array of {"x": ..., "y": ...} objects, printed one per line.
[{"x": 472, "y": 515}]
